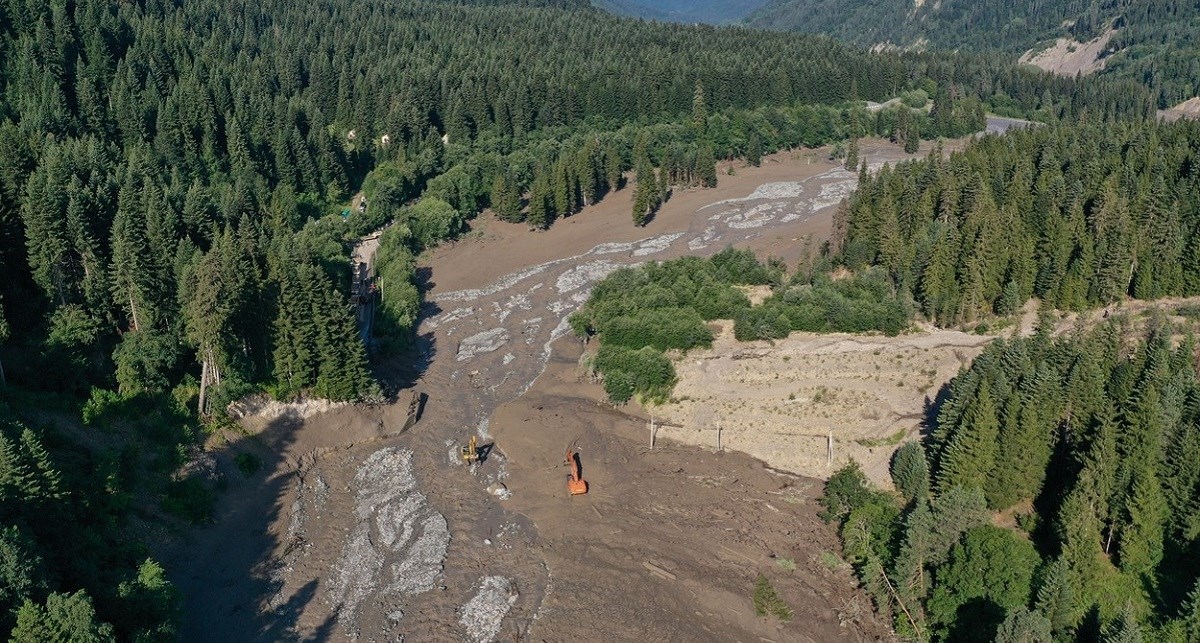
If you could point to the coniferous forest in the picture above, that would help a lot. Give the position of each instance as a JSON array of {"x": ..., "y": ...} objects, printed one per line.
[
  {"x": 1087, "y": 445},
  {"x": 1079, "y": 216},
  {"x": 1153, "y": 42},
  {"x": 179, "y": 200}
]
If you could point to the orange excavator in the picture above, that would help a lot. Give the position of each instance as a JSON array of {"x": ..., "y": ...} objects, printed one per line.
[{"x": 575, "y": 482}]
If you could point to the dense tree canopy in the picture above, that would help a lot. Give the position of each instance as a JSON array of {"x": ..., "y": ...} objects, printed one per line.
[
  {"x": 1095, "y": 436},
  {"x": 180, "y": 192},
  {"x": 1078, "y": 216},
  {"x": 1156, "y": 43}
]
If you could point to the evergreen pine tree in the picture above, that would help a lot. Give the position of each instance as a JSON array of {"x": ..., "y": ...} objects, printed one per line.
[
  {"x": 754, "y": 150},
  {"x": 971, "y": 452},
  {"x": 44, "y": 482},
  {"x": 1125, "y": 629},
  {"x": 539, "y": 217},
  {"x": 912, "y": 138},
  {"x": 1189, "y": 615},
  {"x": 699, "y": 109},
  {"x": 66, "y": 618},
  {"x": 563, "y": 206},
  {"x": 17, "y": 477},
  {"x": 646, "y": 194},
  {"x": 955, "y": 510},
  {"x": 910, "y": 471},
  {"x": 612, "y": 168},
  {"x": 1141, "y": 541},
  {"x": 1056, "y": 599},
  {"x": 134, "y": 290},
  {"x": 5, "y": 333},
  {"x": 706, "y": 166},
  {"x": 909, "y": 573},
  {"x": 1024, "y": 446},
  {"x": 1023, "y": 626},
  {"x": 504, "y": 198},
  {"x": 1078, "y": 529},
  {"x": 22, "y": 571}
]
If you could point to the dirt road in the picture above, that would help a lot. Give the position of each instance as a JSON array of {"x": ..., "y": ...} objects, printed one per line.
[{"x": 353, "y": 530}]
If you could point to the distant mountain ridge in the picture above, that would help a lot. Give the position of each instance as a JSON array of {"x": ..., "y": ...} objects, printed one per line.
[
  {"x": 708, "y": 11},
  {"x": 1157, "y": 43},
  {"x": 944, "y": 24}
]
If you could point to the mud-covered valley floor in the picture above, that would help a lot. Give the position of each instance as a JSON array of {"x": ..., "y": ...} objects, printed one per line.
[{"x": 352, "y": 529}]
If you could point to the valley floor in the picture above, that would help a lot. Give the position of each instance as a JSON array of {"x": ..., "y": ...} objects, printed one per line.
[{"x": 353, "y": 528}]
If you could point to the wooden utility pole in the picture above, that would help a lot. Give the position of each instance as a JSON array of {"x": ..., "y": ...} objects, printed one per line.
[
  {"x": 652, "y": 431},
  {"x": 719, "y": 438},
  {"x": 830, "y": 448}
]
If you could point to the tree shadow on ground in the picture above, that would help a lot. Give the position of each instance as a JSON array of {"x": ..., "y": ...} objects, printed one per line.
[
  {"x": 404, "y": 369},
  {"x": 932, "y": 408},
  {"x": 227, "y": 572}
]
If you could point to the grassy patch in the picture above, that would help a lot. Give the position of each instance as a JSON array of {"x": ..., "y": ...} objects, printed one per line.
[
  {"x": 831, "y": 560},
  {"x": 767, "y": 601},
  {"x": 787, "y": 564},
  {"x": 891, "y": 440}
]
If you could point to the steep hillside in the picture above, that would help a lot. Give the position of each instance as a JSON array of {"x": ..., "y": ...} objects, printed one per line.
[{"x": 1155, "y": 42}]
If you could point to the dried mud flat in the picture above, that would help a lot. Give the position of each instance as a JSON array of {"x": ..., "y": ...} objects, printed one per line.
[
  {"x": 354, "y": 530},
  {"x": 669, "y": 542},
  {"x": 780, "y": 401}
]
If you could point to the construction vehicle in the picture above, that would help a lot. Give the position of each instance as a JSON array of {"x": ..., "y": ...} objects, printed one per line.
[
  {"x": 470, "y": 452},
  {"x": 575, "y": 482}
]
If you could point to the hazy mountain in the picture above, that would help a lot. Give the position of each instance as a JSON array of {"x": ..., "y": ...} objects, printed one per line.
[
  {"x": 710, "y": 11},
  {"x": 1154, "y": 42}
]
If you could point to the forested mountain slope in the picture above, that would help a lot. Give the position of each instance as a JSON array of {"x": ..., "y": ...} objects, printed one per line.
[
  {"x": 1079, "y": 216},
  {"x": 171, "y": 181},
  {"x": 1157, "y": 43},
  {"x": 1087, "y": 442},
  {"x": 1086, "y": 447},
  {"x": 155, "y": 152},
  {"x": 707, "y": 11}
]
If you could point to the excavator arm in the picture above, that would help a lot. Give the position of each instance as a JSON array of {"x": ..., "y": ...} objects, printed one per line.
[{"x": 575, "y": 482}]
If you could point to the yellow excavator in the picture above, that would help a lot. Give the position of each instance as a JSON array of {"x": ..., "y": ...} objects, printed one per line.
[{"x": 470, "y": 452}]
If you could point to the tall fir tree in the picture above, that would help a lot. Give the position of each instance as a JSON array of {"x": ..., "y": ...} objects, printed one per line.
[{"x": 970, "y": 454}]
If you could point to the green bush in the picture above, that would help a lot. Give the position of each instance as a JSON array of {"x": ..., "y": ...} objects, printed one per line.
[
  {"x": 247, "y": 463},
  {"x": 189, "y": 499},
  {"x": 859, "y": 304},
  {"x": 618, "y": 385},
  {"x": 915, "y": 99},
  {"x": 663, "y": 329},
  {"x": 432, "y": 221},
  {"x": 846, "y": 490},
  {"x": 101, "y": 405},
  {"x": 400, "y": 299},
  {"x": 645, "y": 371}
]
